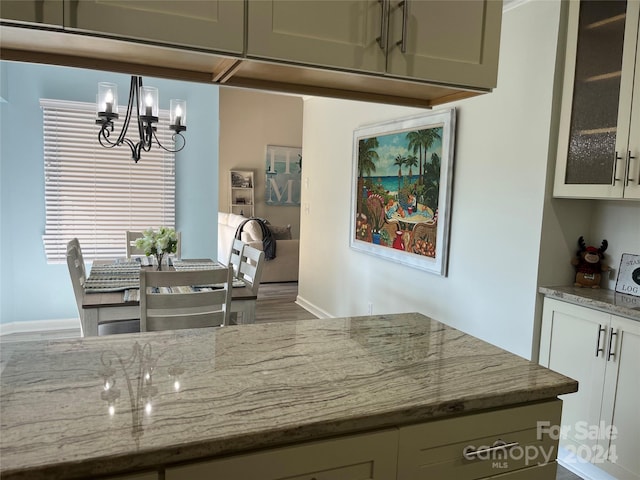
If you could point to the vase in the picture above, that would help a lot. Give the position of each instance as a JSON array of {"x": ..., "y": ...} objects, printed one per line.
[
  {"x": 159, "y": 257},
  {"x": 376, "y": 238}
]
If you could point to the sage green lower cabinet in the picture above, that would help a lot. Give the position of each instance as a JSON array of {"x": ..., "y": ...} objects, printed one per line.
[
  {"x": 436, "y": 450},
  {"x": 137, "y": 476},
  {"x": 368, "y": 456},
  {"x": 432, "y": 450}
]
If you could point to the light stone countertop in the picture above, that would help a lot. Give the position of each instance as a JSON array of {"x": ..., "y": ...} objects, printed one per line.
[
  {"x": 243, "y": 387},
  {"x": 607, "y": 301}
]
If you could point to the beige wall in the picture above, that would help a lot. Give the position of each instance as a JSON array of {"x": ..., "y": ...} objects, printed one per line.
[{"x": 249, "y": 121}]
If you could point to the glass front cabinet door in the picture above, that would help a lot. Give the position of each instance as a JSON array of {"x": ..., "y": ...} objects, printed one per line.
[{"x": 599, "y": 140}]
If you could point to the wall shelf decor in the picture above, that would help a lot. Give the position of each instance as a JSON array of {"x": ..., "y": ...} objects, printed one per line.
[
  {"x": 283, "y": 174},
  {"x": 241, "y": 197}
]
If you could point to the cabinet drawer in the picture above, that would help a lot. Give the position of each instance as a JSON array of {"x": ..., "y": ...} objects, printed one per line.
[
  {"x": 541, "y": 472},
  {"x": 435, "y": 449},
  {"x": 367, "y": 456}
]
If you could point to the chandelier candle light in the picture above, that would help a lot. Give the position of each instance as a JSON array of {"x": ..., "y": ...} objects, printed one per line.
[{"x": 145, "y": 101}]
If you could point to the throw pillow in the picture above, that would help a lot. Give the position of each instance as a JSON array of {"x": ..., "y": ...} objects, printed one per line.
[{"x": 280, "y": 232}]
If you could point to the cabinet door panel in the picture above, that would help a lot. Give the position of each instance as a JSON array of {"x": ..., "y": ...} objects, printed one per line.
[
  {"x": 318, "y": 32},
  {"x": 211, "y": 25},
  {"x": 435, "y": 449},
  {"x": 48, "y": 12},
  {"x": 450, "y": 42},
  {"x": 597, "y": 99},
  {"x": 572, "y": 352},
  {"x": 542, "y": 472},
  {"x": 620, "y": 400},
  {"x": 369, "y": 456},
  {"x": 632, "y": 179}
]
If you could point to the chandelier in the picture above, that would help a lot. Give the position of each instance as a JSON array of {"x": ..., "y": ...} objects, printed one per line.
[{"x": 145, "y": 102}]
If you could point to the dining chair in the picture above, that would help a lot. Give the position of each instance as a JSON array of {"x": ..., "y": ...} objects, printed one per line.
[
  {"x": 132, "y": 250},
  {"x": 235, "y": 255},
  {"x": 250, "y": 272},
  {"x": 174, "y": 300},
  {"x": 78, "y": 274}
]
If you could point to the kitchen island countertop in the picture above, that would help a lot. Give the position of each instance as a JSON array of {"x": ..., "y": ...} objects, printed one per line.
[{"x": 105, "y": 405}]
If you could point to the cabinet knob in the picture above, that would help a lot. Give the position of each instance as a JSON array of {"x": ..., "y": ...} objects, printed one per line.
[
  {"x": 599, "y": 349},
  {"x": 384, "y": 24},
  {"x": 471, "y": 453},
  {"x": 405, "y": 16},
  {"x": 611, "y": 353},
  {"x": 614, "y": 178},
  {"x": 629, "y": 179}
]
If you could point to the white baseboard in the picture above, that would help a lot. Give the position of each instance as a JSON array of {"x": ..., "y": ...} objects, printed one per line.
[
  {"x": 39, "y": 326},
  {"x": 311, "y": 308},
  {"x": 585, "y": 470}
]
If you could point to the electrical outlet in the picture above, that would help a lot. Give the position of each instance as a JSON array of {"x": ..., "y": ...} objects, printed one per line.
[{"x": 370, "y": 308}]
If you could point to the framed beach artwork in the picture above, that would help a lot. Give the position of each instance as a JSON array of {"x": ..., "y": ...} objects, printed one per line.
[{"x": 401, "y": 190}]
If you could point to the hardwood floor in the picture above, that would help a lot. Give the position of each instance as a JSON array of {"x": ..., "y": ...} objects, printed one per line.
[
  {"x": 564, "y": 474},
  {"x": 276, "y": 303}
]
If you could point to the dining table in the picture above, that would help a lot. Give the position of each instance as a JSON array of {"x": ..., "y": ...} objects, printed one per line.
[{"x": 112, "y": 290}]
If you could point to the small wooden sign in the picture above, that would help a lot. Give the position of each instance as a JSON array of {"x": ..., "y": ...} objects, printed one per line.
[{"x": 629, "y": 275}]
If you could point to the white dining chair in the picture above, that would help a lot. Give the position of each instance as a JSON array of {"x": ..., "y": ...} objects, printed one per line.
[
  {"x": 235, "y": 255},
  {"x": 77, "y": 272},
  {"x": 244, "y": 299},
  {"x": 133, "y": 251},
  {"x": 177, "y": 304}
]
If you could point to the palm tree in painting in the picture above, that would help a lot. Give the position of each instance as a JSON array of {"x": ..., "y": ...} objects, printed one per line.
[
  {"x": 428, "y": 136},
  {"x": 367, "y": 158},
  {"x": 411, "y": 161},
  {"x": 399, "y": 162},
  {"x": 419, "y": 142},
  {"x": 432, "y": 181}
]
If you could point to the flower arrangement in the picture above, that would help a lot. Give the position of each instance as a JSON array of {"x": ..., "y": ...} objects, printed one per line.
[{"x": 165, "y": 240}]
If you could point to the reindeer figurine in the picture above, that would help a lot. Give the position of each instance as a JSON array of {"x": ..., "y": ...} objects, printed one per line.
[{"x": 588, "y": 263}]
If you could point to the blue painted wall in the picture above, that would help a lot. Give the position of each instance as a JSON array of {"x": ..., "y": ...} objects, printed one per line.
[{"x": 31, "y": 289}]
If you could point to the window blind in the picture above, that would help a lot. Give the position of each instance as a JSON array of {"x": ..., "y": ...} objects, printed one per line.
[{"x": 96, "y": 193}]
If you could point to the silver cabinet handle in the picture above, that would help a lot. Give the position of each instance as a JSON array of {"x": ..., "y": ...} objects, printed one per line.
[
  {"x": 384, "y": 24},
  {"x": 611, "y": 353},
  {"x": 629, "y": 179},
  {"x": 615, "y": 169},
  {"x": 598, "y": 348},
  {"x": 470, "y": 453},
  {"x": 405, "y": 17}
]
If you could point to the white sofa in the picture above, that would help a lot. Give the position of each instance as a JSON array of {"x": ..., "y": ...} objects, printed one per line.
[{"x": 283, "y": 268}]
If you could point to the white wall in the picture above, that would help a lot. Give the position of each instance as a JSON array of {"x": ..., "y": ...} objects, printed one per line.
[
  {"x": 499, "y": 185},
  {"x": 619, "y": 223}
]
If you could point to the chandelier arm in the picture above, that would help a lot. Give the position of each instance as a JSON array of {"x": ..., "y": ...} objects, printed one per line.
[
  {"x": 127, "y": 119},
  {"x": 173, "y": 136},
  {"x": 104, "y": 133},
  {"x": 138, "y": 86}
]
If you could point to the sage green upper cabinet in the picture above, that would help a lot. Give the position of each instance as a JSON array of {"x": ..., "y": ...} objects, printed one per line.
[
  {"x": 209, "y": 25},
  {"x": 327, "y": 33},
  {"x": 47, "y": 12},
  {"x": 599, "y": 139},
  {"x": 456, "y": 43}
]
